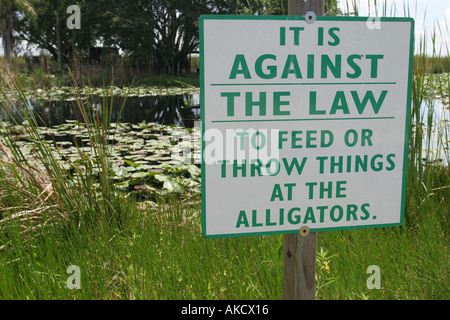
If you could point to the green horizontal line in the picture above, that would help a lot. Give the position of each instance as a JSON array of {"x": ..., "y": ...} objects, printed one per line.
[
  {"x": 315, "y": 119},
  {"x": 298, "y": 84}
]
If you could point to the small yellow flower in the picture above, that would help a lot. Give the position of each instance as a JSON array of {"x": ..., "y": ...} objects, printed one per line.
[{"x": 326, "y": 266}]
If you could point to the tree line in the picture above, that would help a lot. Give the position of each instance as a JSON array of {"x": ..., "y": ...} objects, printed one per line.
[{"x": 156, "y": 34}]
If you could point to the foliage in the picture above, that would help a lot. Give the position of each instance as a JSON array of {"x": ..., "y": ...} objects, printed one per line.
[
  {"x": 164, "y": 31},
  {"x": 7, "y": 9},
  {"x": 157, "y": 34},
  {"x": 43, "y": 33}
]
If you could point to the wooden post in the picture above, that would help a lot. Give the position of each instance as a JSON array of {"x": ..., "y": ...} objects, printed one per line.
[
  {"x": 299, "y": 266},
  {"x": 299, "y": 252},
  {"x": 301, "y": 7}
]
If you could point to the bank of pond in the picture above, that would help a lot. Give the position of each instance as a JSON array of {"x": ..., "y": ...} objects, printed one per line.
[{"x": 153, "y": 140}]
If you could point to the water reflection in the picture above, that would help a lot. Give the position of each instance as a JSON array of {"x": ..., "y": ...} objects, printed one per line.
[
  {"x": 433, "y": 123},
  {"x": 181, "y": 110}
]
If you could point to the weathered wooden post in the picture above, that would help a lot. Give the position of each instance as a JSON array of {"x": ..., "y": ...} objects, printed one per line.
[
  {"x": 301, "y": 7},
  {"x": 299, "y": 250}
]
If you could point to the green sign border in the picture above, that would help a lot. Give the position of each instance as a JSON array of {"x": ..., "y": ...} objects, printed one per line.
[{"x": 202, "y": 116}]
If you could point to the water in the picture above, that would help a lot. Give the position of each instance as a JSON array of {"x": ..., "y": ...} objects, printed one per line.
[
  {"x": 184, "y": 110},
  {"x": 181, "y": 110},
  {"x": 436, "y": 146}
]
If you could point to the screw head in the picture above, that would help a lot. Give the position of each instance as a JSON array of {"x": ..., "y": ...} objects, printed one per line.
[
  {"x": 304, "y": 231},
  {"x": 310, "y": 17}
]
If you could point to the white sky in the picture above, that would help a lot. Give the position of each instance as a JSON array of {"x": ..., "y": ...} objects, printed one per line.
[{"x": 429, "y": 16}]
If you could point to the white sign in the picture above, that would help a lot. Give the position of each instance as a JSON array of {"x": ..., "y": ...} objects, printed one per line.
[{"x": 304, "y": 124}]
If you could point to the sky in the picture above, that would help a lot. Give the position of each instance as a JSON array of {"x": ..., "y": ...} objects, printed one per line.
[{"x": 428, "y": 15}]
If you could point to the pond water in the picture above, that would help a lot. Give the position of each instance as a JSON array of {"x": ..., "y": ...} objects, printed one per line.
[
  {"x": 181, "y": 110},
  {"x": 184, "y": 109},
  {"x": 438, "y": 142}
]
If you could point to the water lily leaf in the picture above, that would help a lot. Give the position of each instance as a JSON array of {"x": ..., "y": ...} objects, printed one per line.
[
  {"x": 123, "y": 184},
  {"x": 194, "y": 170},
  {"x": 139, "y": 174},
  {"x": 121, "y": 172},
  {"x": 161, "y": 177},
  {"x": 131, "y": 163},
  {"x": 172, "y": 185}
]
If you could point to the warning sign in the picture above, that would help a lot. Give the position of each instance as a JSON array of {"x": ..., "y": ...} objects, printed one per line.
[{"x": 304, "y": 124}]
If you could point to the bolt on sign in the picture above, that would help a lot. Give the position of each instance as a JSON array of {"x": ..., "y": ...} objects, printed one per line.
[{"x": 304, "y": 123}]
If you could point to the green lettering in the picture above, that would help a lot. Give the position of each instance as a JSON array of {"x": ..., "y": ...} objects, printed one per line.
[
  {"x": 339, "y": 103},
  {"x": 392, "y": 163},
  {"x": 269, "y": 165},
  {"x": 296, "y": 34},
  {"x": 323, "y": 135},
  {"x": 295, "y": 139},
  {"x": 297, "y": 217},
  {"x": 268, "y": 222},
  {"x": 223, "y": 167},
  {"x": 237, "y": 168},
  {"x": 351, "y": 211},
  {"x": 309, "y": 216},
  {"x": 262, "y": 142},
  {"x": 374, "y": 63},
  {"x": 255, "y": 167},
  {"x": 366, "y": 137},
  {"x": 271, "y": 68},
  {"x": 311, "y": 186},
  {"x": 281, "y": 139},
  {"x": 240, "y": 67},
  {"x": 312, "y": 104},
  {"x": 376, "y": 166},
  {"x": 310, "y": 67},
  {"x": 320, "y": 37},
  {"x": 340, "y": 213},
  {"x": 364, "y": 210},
  {"x": 230, "y": 101},
  {"x": 291, "y": 61},
  {"x": 282, "y": 36},
  {"x": 276, "y": 193},
  {"x": 322, "y": 212},
  {"x": 336, "y": 39},
  {"x": 340, "y": 188},
  {"x": 322, "y": 162},
  {"x": 352, "y": 64},
  {"x": 277, "y": 103},
  {"x": 249, "y": 103},
  {"x": 242, "y": 220},
  {"x": 376, "y": 104},
  {"x": 294, "y": 163},
  {"x": 328, "y": 64},
  {"x": 361, "y": 163},
  {"x": 254, "y": 220},
  {"x": 309, "y": 139},
  {"x": 289, "y": 186}
]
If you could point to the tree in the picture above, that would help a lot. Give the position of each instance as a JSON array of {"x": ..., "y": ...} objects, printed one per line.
[
  {"x": 8, "y": 8},
  {"x": 43, "y": 32},
  {"x": 160, "y": 32},
  {"x": 154, "y": 33}
]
